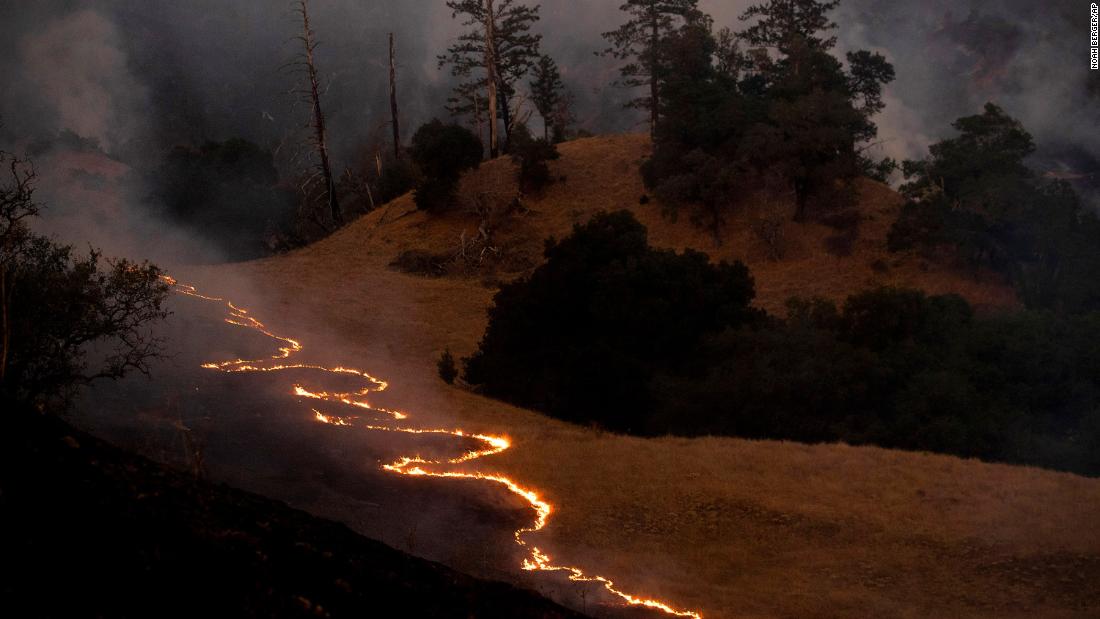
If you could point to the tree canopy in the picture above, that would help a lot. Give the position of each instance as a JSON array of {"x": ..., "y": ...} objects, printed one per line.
[{"x": 515, "y": 51}]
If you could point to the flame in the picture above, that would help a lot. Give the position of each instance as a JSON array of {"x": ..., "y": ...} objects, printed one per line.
[{"x": 414, "y": 466}]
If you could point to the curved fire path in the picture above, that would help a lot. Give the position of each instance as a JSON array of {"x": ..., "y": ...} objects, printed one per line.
[{"x": 536, "y": 560}]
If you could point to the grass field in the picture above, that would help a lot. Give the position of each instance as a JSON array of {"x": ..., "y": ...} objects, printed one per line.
[{"x": 730, "y": 527}]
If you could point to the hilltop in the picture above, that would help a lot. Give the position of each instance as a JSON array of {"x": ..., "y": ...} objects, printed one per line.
[
  {"x": 731, "y": 527},
  {"x": 602, "y": 173}
]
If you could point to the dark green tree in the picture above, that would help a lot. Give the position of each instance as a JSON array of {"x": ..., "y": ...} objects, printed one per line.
[
  {"x": 531, "y": 156},
  {"x": 547, "y": 93},
  {"x": 442, "y": 152},
  {"x": 975, "y": 194},
  {"x": 582, "y": 337},
  {"x": 514, "y": 50},
  {"x": 637, "y": 41},
  {"x": 783, "y": 114},
  {"x": 818, "y": 114},
  {"x": 787, "y": 25}
]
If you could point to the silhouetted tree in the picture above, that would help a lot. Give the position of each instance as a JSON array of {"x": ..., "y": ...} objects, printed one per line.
[
  {"x": 583, "y": 335},
  {"x": 442, "y": 152},
  {"x": 58, "y": 309},
  {"x": 547, "y": 93},
  {"x": 317, "y": 121},
  {"x": 637, "y": 40},
  {"x": 500, "y": 44},
  {"x": 975, "y": 194}
]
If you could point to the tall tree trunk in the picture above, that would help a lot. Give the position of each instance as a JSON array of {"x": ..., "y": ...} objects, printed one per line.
[
  {"x": 505, "y": 110},
  {"x": 491, "y": 78},
  {"x": 654, "y": 88},
  {"x": 393, "y": 100},
  {"x": 5, "y": 303},
  {"x": 320, "y": 134}
]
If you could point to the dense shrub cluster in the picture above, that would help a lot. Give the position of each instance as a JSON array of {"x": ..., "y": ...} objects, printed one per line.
[
  {"x": 532, "y": 155},
  {"x": 612, "y": 332},
  {"x": 442, "y": 152},
  {"x": 585, "y": 334},
  {"x": 785, "y": 116},
  {"x": 974, "y": 195},
  {"x": 899, "y": 369}
]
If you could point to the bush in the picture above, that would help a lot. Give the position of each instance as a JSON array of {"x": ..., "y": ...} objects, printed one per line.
[
  {"x": 446, "y": 367},
  {"x": 613, "y": 333},
  {"x": 442, "y": 152},
  {"x": 974, "y": 195},
  {"x": 531, "y": 156},
  {"x": 58, "y": 307},
  {"x": 583, "y": 335}
]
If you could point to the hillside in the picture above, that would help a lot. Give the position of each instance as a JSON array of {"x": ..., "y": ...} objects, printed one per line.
[
  {"x": 730, "y": 527},
  {"x": 127, "y": 537},
  {"x": 602, "y": 174}
]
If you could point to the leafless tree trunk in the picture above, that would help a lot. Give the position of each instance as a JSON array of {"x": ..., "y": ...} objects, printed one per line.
[
  {"x": 654, "y": 89},
  {"x": 5, "y": 302},
  {"x": 491, "y": 78},
  {"x": 393, "y": 99},
  {"x": 320, "y": 136}
]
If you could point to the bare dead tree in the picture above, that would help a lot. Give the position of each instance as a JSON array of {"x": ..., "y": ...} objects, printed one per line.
[
  {"x": 393, "y": 99},
  {"x": 320, "y": 137},
  {"x": 16, "y": 205}
]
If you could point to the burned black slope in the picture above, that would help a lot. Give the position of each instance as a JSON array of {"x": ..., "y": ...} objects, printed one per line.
[{"x": 87, "y": 530}]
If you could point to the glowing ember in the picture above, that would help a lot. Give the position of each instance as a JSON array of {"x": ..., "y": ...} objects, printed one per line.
[{"x": 413, "y": 466}]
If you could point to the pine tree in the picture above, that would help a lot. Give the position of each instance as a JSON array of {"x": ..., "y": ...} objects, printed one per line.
[
  {"x": 547, "y": 93},
  {"x": 512, "y": 53},
  {"x": 638, "y": 40},
  {"x": 819, "y": 114}
]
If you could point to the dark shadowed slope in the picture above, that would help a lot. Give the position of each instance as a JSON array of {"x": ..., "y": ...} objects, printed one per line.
[{"x": 89, "y": 530}]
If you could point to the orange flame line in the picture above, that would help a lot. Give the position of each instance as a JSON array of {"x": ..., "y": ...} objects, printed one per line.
[{"x": 413, "y": 466}]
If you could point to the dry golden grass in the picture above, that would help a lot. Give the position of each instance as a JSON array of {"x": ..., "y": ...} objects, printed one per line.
[{"x": 730, "y": 527}]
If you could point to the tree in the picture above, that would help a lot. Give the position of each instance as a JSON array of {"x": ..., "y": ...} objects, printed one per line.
[
  {"x": 498, "y": 43},
  {"x": 442, "y": 152},
  {"x": 531, "y": 156},
  {"x": 785, "y": 114},
  {"x": 786, "y": 25},
  {"x": 317, "y": 122},
  {"x": 819, "y": 113},
  {"x": 975, "y": 195},
  {"x": 59, "y": 310},
  {"x": 547, "y": 93},
  {"x": 582, "y": 336},
  {"x": 395, "y": 122},
  {"x": 637, "y": 41}
]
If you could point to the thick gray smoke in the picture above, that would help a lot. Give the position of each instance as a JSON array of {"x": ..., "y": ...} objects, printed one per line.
[{"x": 952, "y": 57}]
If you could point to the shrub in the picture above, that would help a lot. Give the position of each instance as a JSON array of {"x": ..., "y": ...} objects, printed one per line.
[
  {"x": 531, "y": 156},
  {"x": 442, "y": 152},
  {"x": 59, "y": 306},
  {"x": 447, "y": 369},
  {"x": 583, "y": 335},
  {"x": 974, "y": 195}
]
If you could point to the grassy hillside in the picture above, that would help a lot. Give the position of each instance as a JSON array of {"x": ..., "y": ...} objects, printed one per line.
[
  {"x": 122, "y": 536},
  {"x": 602, "y": 174},
  {"x": 733, "y": 528}
]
